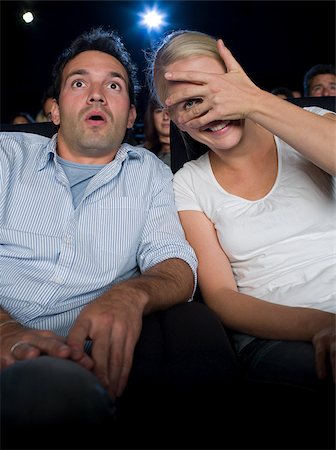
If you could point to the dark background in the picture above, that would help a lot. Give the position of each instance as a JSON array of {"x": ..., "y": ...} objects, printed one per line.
[{"x": 276, "y": 42}]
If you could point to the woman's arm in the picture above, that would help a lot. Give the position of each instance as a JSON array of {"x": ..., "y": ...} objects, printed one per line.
[
  {"x": 312, "y": 135},
  {"x": 238, "y": 311}
]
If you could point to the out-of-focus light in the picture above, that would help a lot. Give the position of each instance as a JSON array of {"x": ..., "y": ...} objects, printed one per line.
[
  {"x": 28, "y": 17},
  {"x": 152, "y": 19}
]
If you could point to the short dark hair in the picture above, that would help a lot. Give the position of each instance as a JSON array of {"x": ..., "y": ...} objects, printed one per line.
[
  {"x": 24, "y": 114},
  {"x": 106, "y": 41},
  {"x": 281, "y": 90},
  {"x": 318, "y": 69}
]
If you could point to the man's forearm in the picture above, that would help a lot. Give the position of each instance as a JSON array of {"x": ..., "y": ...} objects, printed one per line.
[{"x": 163, "y": 285}]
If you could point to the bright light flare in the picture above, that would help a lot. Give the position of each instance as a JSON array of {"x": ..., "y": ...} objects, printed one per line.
[
  {"x": 152, "y": 19},
  {"x": 28, "y": 17}
]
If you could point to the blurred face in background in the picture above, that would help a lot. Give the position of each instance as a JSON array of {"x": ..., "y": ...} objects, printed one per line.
[
  {"x": 20, "y": 119},
  {"x": 323, "y": 85},
  {"x": 47, "y": 108},
  {"x": 161, "y": 122}
]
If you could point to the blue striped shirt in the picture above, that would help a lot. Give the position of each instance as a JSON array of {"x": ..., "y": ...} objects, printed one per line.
[{"x": 54, "y": 257}]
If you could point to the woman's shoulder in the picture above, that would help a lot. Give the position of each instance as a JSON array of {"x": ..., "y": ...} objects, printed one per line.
[
  {"x": 195, "y": 165},
  {"x": 193, "y": 172}
]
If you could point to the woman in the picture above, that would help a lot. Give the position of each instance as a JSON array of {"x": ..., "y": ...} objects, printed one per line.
[
  {"x": 258, "y": 207},
  {"x": 157, "y": 131}
]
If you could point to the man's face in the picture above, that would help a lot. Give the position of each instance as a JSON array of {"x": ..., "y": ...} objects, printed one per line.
[
  {"x": 323, "y": 85},
  {"x": 94, "y": 109}
]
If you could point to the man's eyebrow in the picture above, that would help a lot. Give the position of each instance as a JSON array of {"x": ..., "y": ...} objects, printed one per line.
[
  {"x": 86, "y": 72},
  {"x": 118, "y": 75}
]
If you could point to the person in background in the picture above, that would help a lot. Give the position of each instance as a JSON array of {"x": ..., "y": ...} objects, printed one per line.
[
  {"x": 95, "y": 271},
  {"x": 157, "y": 131},
  {"x": 258, "y": 207},
  {"x": 22, "y": 117},
  {"x": 296, "y": 93},
  {"x": 282, "y": 92},
  {"x": 44, "y": 115},
  {"x": 320, "y": 81}
]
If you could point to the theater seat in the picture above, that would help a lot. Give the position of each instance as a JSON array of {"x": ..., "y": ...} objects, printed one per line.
[{"x": 47, "y": 129}]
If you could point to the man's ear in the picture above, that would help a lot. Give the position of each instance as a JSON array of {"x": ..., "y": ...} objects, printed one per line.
[
  {"x": 131, "y": 116},
  {"x": 55, "y": 113}
]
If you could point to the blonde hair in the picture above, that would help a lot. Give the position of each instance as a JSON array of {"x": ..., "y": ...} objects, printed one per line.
[{"x": 174, "y": 47}]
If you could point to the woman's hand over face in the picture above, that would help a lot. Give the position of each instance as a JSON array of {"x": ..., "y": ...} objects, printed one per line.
[{"x": 204, "y": 97}]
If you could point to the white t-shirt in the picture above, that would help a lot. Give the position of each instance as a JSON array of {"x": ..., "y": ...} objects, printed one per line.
[{"x": 282, "y": 248}]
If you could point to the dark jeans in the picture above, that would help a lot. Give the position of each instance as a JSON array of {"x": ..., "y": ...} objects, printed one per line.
[
  {"x": 183, "y": 385},
  {"x": 183, "y": 367},
  {"x": 284, "y": 394},
  {"x": 48, "y": 396}
]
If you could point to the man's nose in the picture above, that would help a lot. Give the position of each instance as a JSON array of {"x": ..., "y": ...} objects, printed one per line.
[
  {"x": 326, "y": 92},
  {"x": 96, "y": 95}
]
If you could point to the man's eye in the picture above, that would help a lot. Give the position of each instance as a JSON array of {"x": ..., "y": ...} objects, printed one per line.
[
  {"x": 114, "y": 86},
  {"x": 78, "y": 84},
  {"x": 192, "y": 102}
]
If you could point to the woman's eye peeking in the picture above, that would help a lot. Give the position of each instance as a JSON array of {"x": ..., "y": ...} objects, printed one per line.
[{"x": 192, "y": 102}]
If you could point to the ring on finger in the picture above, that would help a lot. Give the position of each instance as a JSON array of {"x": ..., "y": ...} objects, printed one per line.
[{"x": 17, "y": 344}]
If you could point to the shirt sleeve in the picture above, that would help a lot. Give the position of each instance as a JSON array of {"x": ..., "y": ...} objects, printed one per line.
[
  {"x": 318, "y": 110},
  {"x": 185, "y": 198},
  {"x": 163, "y": 236}
]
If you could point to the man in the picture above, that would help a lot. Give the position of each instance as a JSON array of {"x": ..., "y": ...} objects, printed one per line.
[
  {"x": 320, "y": 81},
  {"x": 91, "y": 245}
]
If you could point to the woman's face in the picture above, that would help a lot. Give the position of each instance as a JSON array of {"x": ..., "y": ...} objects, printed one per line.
[{"x": 217, "y": 135}]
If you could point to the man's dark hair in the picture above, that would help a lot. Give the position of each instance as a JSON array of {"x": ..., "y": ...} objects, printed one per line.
[
  {"x": 318, "y": 69},
  {"x": 106, "y": 41}
]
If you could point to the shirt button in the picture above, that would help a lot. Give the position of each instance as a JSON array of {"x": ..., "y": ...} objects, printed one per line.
[{"x": 58, "y": 280}]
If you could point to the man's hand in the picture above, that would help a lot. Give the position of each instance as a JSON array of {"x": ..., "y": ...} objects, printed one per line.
[
  {"x": 18, "y": 343},
  {"x": 113, "y": 322}
]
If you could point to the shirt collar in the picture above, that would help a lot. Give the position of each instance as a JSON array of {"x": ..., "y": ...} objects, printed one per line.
[
  {"x": 48, "y": 153},
  {"x": 125, "y": 151}
]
